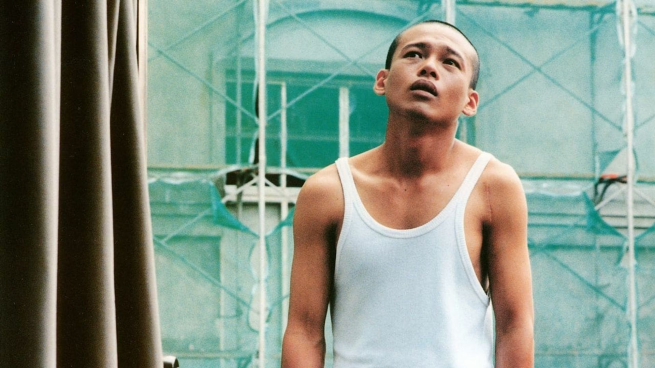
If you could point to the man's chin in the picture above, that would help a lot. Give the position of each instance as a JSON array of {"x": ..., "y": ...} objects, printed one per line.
[{"x": 427, "y": 115}]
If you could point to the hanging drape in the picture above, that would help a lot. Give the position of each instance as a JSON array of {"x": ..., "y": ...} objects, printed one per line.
[{"x": 77, "y": 283}]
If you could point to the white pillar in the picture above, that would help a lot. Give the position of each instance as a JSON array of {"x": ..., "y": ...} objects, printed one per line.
[
  {"x": 626, "y": 10},
  {"x": 262, "y": 9},
  {"x": 448, "y": 8},
  {"x": 284, "y": 207},
  {"x": 344, "y": 122}
]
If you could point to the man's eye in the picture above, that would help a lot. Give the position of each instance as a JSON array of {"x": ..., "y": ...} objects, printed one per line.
[
  {"x": 452, "y": 62},
  {"x": 413, "y": 54}
]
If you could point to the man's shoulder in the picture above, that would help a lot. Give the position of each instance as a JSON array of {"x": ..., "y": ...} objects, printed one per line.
[
  {"x": 322, "y": 188},
  {"x": 503, "y": 190},
  {"x": 499, "y": 174},
  {"x": 321, "y": 201},
  {"x": 324, "y": 181}
]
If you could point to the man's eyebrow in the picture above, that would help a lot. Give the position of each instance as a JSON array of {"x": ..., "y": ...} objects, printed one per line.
[
  {"x": 419, "y": 45},
  {"x": 450, "y": 51},
  {"x": 456, "y": 54},
  {"x": 425, "y": 46}
]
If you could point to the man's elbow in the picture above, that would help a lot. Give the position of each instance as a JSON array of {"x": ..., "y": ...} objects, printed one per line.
[
  {"x": 521, "y": 323},
  {"x": 300, "y": 349},
  {"x": 515, "y": 343}
]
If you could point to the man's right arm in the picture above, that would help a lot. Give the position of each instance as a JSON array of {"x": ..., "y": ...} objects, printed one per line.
[{"x": 314, "y": 228}]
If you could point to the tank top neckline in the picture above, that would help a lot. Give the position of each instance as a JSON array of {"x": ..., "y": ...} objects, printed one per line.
[{"x": 352, "y": 195}]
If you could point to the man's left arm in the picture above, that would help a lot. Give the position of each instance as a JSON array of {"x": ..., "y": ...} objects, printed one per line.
[{"x": 510, "y": 280}]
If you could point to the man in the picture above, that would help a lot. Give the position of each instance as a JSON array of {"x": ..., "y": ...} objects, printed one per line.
[{"x": 410, "y": 242}]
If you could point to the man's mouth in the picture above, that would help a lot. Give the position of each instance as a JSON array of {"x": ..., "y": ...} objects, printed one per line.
[{"x": 424, "y": 85}]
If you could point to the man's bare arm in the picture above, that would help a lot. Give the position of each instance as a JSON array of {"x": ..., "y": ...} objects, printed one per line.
[
  {"x": 319, "y": 202},
  {"x": 510, "y": 277}
]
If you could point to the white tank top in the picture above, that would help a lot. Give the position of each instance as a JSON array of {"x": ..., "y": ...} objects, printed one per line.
[{"x": 408, "y": 298}]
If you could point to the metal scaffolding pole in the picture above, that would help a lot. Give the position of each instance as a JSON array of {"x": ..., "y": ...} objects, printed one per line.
[
  {"x": 284, "y": 208},
  {"x": 627, "y": 11},
  {"x": 262, "y": 10},
  {"x": 449, "y": 11},
  {"x": 344, "y": 122}
]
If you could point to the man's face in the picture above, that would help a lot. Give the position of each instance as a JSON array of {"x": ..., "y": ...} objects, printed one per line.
[{"x": 430, "y": 74}]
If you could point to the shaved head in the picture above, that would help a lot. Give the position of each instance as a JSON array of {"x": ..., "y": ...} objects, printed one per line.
[{"x": 475, "y": 60}]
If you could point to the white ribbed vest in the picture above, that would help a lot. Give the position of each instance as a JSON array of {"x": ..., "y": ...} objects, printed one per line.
[{"x": 408, "y": 298}]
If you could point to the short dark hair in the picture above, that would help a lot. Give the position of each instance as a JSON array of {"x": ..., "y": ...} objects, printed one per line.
[{"x": 476, "y": 61}]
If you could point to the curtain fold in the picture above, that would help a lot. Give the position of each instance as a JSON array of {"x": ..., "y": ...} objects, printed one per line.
[
  {"x": 29, "y": 113},
  {"x": 134, "y": 266},
  {"x": 77, "y": 283}
]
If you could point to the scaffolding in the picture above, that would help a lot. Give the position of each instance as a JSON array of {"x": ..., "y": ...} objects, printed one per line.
[{"x": 584, "y": 225}]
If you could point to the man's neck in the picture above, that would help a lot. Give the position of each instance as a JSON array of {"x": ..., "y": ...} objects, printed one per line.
[{"x": 413, "y": 148}]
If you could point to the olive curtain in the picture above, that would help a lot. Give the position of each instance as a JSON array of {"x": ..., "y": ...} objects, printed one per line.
[{"x": 77, "y": 280}]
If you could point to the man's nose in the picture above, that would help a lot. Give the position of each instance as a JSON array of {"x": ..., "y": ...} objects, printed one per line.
[{"x": 428, "y": 69}]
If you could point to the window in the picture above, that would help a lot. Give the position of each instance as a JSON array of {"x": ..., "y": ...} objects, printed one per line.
[{"x": 312, "y": 119}]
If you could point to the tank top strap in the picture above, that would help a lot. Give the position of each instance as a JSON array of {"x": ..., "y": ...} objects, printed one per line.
[
  {"x": 347, "y": 181},
  {"x": 473, "y": 176},
  {"x": 349, "y": 198}
]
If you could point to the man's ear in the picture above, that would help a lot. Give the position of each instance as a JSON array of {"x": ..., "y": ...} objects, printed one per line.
[
  {"x": 471, "y": 106},
  {"x": 380, "y": 82}
]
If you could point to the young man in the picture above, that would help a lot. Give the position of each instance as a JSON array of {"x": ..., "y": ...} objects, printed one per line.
[{"x": 410, "y": 242}]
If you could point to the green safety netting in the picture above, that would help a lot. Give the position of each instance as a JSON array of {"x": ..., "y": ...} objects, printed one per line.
[
  {"x": 581, "y": 280},
  {"x": 580, "y": 298},
  {"x": 207, "y": 262},
  {"x": 205, "y": 277},
  {"x": 645, "y": 253}
]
